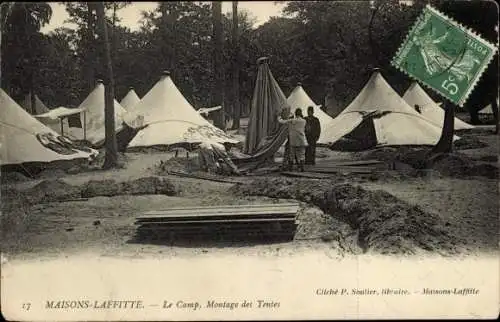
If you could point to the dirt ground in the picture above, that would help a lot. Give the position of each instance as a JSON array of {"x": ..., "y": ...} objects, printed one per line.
[{"x": 464, "y": 208}]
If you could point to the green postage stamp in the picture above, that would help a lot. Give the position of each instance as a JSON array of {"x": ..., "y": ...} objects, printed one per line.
[{"x": 444, "y": 55}]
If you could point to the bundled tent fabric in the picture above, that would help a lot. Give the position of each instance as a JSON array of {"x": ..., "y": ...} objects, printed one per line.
[
  {"x": 24, "y": 140},
  {"x": 268, "y": 99},
  {"x": 169, "y": 119},
  {"x": 40, "y": 108},
  {"x": 130, "y": 100},
  {"x": 299, "y": 99},
  {"x": 57, "y": 119},
  {"x": 415, "y": 95},
  {"x": 265, "y": 135},
  {"x": 378, "y": 116},
  {"x": 92, "y": 117}
]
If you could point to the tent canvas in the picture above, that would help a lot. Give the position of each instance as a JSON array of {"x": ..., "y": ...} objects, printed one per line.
[
  {"x": 299, "y": 99},
  {"x": 40, "y": 107},
  {"x": 486, "y": 110},
  {"x": 25, "y": 140},
  {"x": 130, "y": 100},
  {"x": 395, "y": 122},
  {"x": 56, "y": 116},
  {"x": 170, "y": 119},
  {"x": 92, "y": 117},
  {"x": 415, "y": 95}
]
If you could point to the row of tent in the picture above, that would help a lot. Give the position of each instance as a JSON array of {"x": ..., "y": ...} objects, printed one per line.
[{"x": 164, "y": 117}]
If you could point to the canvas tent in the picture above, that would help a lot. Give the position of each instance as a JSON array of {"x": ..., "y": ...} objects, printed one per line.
[
  {"x": 130, "y": 100},
  {"x": 40, "y": 108},
  {"x": 265, "y": 135},
  {"x": 488, "y": 110},
  {"x": 415, "y": 95},
  {"x": 92, "y": 117},
  {"x": 57, "y": 119},
  {"x": 25, "y": 140},
  {"x": 170, "y": 119},
  {"x": 378, "y": 116},
  {"x": 299, "y": 99}
]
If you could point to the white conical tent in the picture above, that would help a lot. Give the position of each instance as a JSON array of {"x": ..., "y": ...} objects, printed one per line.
[
  {"x": 415, "y": 95},
  {"x": 299, "y": 99},
  {"x": 92, "y": 117},
  {"x": 487, "y": 110},
  {"x": 19, "y": 141},
  {"x": 130, "y": 100},
  {"x": 40, "y": 108},
  {"x": 397, "y": 123},
  {"x": 170, "y": 119}
]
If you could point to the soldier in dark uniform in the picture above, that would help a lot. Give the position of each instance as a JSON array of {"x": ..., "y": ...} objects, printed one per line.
[{"x": 313, "y": 131}]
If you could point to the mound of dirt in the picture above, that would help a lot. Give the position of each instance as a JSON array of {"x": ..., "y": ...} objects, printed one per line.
[
  {"x": 51, "y": 174},
  {"x": 461, "y": 166},
  {"x": 149, "y": 185},
  {"x": 51, "y": 190},
  {"x": 179, "y": 163},
  {"x": 105, "y": 188},
  {"x": 8, "y": 177},
  {"x": 385, "y": 224},
  {"x": 451, "y": 164},
  {"x": 468, "y": 142},
  {"x": 489, "y": 158},
  {"x": 141, "y": 186},
  {"x": 484, "y": 170}
]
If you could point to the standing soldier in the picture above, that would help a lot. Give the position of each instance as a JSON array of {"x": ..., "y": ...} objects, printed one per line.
[{"x": 313, "y": 131}]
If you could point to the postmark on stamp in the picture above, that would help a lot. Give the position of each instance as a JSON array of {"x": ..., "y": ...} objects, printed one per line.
[{"x": 444, "y": 55}]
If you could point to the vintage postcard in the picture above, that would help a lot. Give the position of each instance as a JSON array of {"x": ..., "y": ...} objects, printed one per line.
[{"x": 249, "y": 160}]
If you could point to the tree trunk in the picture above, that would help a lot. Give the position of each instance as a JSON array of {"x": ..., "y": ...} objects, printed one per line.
[
  {"x": 445, "y": 143},
  {"x": 218, "y": 88},
  {"x": 111, "y": 156},
  {"x": 89, "y": 57},
  {"x": 236, "y": 69},
  {"x": 494, "y": 107}
]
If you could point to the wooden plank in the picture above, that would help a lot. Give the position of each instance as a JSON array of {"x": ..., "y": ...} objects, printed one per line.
[
  {"x": 215, "y": 219},
  {"x": 204, "y": 177},
  {"x": 348, "y": 163},
  {"x": 343, "y": 170},
  {"x": 220, "y": 211},
  {"x": 247, "y": 206},
  {"x": 310, "y": 175},
  {"x": 221, "y": 221}
]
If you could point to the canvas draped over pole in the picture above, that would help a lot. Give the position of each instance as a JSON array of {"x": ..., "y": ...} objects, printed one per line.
[{"x": 265, "y": 134}]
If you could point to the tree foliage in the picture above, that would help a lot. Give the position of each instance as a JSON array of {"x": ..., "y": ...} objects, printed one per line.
[{"x": 329, "y": 46}]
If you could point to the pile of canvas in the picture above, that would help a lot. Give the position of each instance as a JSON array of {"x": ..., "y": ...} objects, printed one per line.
[
  {"x": 25, "y": 140},
  {"x": 130, "y": 100},
  {"x": 299, "y": 99},
  {"x": 380, "y": 116},
  {"x": 415, "y": 95},
  {"x": 169, "y": 119},
  {"x": 92, "y": 117}
]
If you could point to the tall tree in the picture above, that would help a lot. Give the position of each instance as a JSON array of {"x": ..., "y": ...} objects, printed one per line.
[
  {"x": 236, "y": 68},
  {"x": 21, "y": 38},
  {"x": 111, "y": 156},
  {"x": 218, "y": 89}
]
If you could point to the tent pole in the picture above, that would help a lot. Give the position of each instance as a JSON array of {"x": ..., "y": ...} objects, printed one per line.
[
  {"x": 85, "y": 125},
  {"x": 62, "y": 129}
]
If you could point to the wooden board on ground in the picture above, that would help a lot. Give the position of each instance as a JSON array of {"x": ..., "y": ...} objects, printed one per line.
[
  {"x": 348, "y": 163},
  {"x": 309, "y": 175},
  {"x": 232, "y": 221},
  {"x": 205, "y": 176}
]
